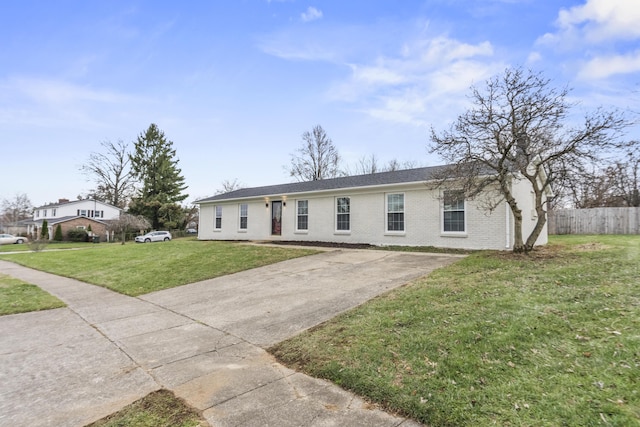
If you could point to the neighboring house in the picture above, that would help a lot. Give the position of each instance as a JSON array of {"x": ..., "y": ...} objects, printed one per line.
[
  {"x": 18, "y": 228},
  {"x": 73, "y": 214},
  {"x": 388, "y": 208}
]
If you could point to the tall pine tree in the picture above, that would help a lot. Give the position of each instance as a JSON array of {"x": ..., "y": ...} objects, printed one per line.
[{"x": 155, "y": 165}]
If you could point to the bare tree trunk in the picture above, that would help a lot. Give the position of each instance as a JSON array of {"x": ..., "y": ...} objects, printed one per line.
[{"x": 518, "y": 244}]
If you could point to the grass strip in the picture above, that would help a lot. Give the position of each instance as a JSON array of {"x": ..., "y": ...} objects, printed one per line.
[
  {"x": 136, "y": 269},
  {"x": 17, "y": 296},
  {"x": 158, "y": 409}
]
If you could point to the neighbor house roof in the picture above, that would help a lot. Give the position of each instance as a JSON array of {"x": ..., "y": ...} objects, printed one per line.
[
  {"x": 62, "y": 202},
  {"x": 53, "y": 221},
  {"x": 356, "y": 181}
]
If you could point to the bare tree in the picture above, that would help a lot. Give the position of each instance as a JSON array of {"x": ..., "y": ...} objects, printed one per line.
[
  {"x": 127, "y": 223},
  {"x": 16, "y": 209},
  {"x": 228, "y": 186},
  {"x": 111, "y": 173},
  {"x": 317, "y": 159},
  {"x": 609, "y": 183},
  {"x": 516, "y": 129},
  {"x": 625, "y": 177},
  {"x": 395, "y": 165},
  {"x": 369, "y": 164}
]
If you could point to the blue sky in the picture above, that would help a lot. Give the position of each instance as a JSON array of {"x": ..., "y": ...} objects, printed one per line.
[{"x": 235, "y": 83}]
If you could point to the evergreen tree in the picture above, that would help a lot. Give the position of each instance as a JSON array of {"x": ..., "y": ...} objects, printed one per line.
[
  {"x": 57, "y": 236},
  {"x": 155, "y": 165},
  {"x": 44, "y": 231}
]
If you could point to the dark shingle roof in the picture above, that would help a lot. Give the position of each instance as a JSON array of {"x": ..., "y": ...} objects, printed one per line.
[
  {"x": 381, "y": 178},
  {"x": 53, "y": 221}
]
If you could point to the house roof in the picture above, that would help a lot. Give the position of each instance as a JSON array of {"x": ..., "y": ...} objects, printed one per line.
[
  {"x": 53, "y": 221},
  {"x": 71, "y": 202},
  {"x": 356, "y": 181}
]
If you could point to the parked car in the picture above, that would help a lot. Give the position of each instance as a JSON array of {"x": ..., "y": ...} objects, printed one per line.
[
  {"x": 154, "y": 236},
  {"x": 6, "y": 239},
  {"x": 192, "y": 231}
]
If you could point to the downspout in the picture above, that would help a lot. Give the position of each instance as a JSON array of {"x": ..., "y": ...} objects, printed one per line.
[{"x": 507, "y": 226}]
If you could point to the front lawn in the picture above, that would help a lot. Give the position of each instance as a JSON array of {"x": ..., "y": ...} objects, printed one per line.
[
  {"x": 17, "y": 296},
  {"x": 136, "y": 269},
  {"x": 549, "y": 339}
]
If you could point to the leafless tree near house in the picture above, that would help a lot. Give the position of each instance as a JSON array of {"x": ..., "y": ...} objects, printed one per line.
[
  {"x": 615, "y": 183},
  {"x": 370, "y": 164},
  {"x": 16, "y": 209},
  {"x": 317, "y": 159},
  {"x": 227, "y": 186},
  {"x": 518, "y": 126},
  {"x": 128, "y": 223},
  {"x": 111, "y": 173}
]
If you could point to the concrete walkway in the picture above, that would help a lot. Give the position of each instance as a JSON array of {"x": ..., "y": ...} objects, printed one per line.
[{"x": 204, "y": 341}]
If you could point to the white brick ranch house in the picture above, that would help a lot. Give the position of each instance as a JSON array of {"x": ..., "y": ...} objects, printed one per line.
[{"x": 387, "y": 208}]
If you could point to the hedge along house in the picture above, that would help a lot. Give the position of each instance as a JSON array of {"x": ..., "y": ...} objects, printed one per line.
[{"x": 386, "y": 209}]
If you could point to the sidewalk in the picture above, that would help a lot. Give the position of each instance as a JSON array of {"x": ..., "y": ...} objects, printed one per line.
[{"x": 204, "y": 341}]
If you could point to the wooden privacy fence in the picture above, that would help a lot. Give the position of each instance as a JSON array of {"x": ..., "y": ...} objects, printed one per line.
[{"x": 595, "y": 221}]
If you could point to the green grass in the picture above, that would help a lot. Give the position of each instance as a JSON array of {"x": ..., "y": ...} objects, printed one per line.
[
  {"x": 550, "y": 339},
  {"x": 136, "y": 269},
  {"x": 158, "y": 409},
  {"x": 25, "y": 247},
  {"x": 17, "y": 296}
]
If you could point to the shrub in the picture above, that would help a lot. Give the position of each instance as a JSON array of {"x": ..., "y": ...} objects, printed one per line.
[
  {"x": 57, "y": 236},
  {"x": 77, "y": 235}
]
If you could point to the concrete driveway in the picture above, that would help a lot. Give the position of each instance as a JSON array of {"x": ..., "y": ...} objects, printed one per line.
[{"x": 204, "y": 341}]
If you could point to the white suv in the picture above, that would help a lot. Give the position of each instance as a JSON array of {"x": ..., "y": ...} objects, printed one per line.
[{"x": 154, "y": 236}]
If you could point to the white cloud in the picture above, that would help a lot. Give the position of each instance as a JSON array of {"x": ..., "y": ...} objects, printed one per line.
[
  {"x": 595, "y": 22},
  {"x": 601, "y": 20},
  {"x": 48, "y": 102},
  {"x": 419, "y": 83},
  {"x": 58, "y": 92},
  {"x": 534, "y": 57},
  {"x": 606, "y": 66},
  {"x": 311, "y": 14}
]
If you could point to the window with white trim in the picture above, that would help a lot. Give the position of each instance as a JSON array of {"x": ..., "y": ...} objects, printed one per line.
[
  {"x": 217, "y": 225},
  {"x": 343, "y": 214},
  {"x": 395, "y": 212},
  {"x": 302, "y": 215},
  {"x": 453, "y": 220},
  {"x": 244, "y": 215}
]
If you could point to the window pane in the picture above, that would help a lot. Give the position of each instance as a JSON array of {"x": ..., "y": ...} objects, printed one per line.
[
  {"x": 453, "y": 200},
  {"x": 395, "y": 202},
  {"x": 395, "y": 221},
  {"x": 303, "y": 222},
  {"x": 454, "y": 221},
  {"x": 343, "y": 221},
  {"x": 303, "y": 207},
  {"x": 343, "y": 205}
]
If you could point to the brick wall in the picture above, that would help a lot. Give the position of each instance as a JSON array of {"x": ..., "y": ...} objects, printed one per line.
[{"x": 96, "y": 227}]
